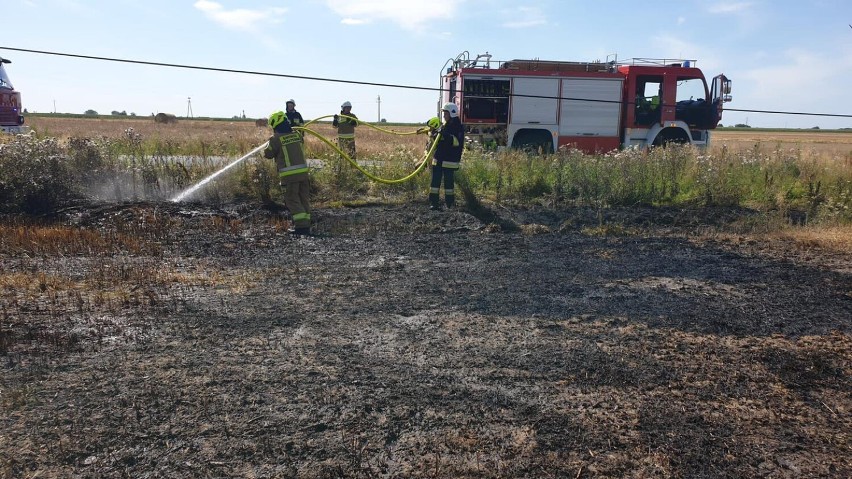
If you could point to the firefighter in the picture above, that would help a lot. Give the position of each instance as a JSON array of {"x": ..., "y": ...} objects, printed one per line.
[
  {"x": 294, "y": 116},
  {"x": 285, "y": 147},
  {"x": 447, "y": 157},
  {"x": 345, "y": 123}
]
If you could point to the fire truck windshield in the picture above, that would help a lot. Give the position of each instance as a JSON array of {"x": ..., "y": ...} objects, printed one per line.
[
  {"x": 4, "y": 79},
  {"x": 691, "y": 89}
]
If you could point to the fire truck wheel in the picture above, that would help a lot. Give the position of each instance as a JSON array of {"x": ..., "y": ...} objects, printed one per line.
[{"x": 535, "y": 141}]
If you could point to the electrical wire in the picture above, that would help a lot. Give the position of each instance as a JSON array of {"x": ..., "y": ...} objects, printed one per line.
[{"x": 356, "y": 82}]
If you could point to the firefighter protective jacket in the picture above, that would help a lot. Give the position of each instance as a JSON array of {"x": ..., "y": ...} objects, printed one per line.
[
  {"x": 287, "y": 149},
  {"x": 295, "y": 118},
  {"x": 448, "y": 153},
  {"x": 346, "y": 126}
]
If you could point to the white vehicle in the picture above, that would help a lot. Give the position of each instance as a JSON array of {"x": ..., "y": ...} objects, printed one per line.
[{"x": 595, "y": 107}]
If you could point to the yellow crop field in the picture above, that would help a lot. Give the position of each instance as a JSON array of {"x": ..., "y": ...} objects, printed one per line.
[
  {"x": 834, "y": 143},
  {"x": 213, "y": 132}
]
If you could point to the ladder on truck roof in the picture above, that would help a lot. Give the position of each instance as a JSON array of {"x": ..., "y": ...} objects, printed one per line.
[
  {"x": 557, "y": 66},
  {"x": 659, "y": 62}
]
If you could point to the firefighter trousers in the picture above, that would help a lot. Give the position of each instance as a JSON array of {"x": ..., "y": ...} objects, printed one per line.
[
  {"x": 448, "y": 176},
  {"x": 347, "y": 145},
  {"x": 297, "y": 199}
]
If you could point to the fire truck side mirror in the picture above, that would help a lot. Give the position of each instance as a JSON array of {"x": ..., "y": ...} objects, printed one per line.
[
  {"x": 726, "y": 88},
  {"x": 727, "y": 98}
]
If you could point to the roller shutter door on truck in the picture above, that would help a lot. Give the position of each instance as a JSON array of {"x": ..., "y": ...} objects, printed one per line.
[
  {"x": 599, "y": 117},
  {"x": 538, "y": 109}
]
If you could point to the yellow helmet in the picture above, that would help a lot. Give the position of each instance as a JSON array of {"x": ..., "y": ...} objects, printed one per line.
[
  {"x": 434, "y": 123},
  {"x": 277, "y": 118}
]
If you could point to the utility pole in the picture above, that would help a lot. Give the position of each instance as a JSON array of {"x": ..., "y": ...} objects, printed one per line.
[
  {"x": 189, "y": 107},
  {"x": 379, "y": 101}
]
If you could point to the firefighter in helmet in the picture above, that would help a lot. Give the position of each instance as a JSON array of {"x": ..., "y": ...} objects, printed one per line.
[
  {"x": 293, "y": 116},
  {"x": 447, "y": 157},
  {"x": 345, "y": 122},
  {"x": 286, "y": 148}
]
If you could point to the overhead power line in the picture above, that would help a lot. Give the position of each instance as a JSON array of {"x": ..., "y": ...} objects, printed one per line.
[
  {"x": 215, "y": 69},
  {"x": 356, "y": 82}
]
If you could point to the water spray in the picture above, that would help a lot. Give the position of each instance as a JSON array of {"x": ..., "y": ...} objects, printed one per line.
[{"x": 200, "y": 184}]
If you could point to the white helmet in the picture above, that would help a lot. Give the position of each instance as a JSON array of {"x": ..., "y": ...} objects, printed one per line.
[
  {"x": 345, "y": 104},
  {"x": 291, "y": 101},
  {"x": 452, "y": 108}
]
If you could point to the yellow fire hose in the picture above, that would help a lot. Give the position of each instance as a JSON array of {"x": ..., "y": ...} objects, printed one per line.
[{"x": 354, "y": 163}]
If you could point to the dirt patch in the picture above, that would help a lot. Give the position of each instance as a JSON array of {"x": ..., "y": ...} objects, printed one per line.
[{"x": 401, "y": 342}]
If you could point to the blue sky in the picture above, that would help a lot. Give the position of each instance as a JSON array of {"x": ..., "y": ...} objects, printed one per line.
[{"x": 781, "y": 55}]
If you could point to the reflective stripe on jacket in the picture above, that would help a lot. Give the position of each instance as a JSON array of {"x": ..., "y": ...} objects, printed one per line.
[{"x": 288, "y": 152}]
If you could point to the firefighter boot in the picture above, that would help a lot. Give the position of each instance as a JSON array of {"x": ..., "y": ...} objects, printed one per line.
[
  {"x": 303, "y": 231},
  {"x": 451, "y": 202},
  {"x": 434, "y": 202}
]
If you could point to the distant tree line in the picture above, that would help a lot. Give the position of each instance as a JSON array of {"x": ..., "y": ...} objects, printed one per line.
[{"x": 91, "y": 112}]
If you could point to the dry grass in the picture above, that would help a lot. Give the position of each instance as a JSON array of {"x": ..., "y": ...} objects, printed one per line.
[
  {"x": 64, "y": 240},
  {"x": 827, "y": 239},
  {"x": 831, "y": 238},
  {"x": 183, "y": 130},
  {"x": 370, "y": 142},
  {"x": 833, "y": 144}
]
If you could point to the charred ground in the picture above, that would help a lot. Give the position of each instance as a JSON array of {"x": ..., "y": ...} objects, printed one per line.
[{"x": 399, "y": 342}]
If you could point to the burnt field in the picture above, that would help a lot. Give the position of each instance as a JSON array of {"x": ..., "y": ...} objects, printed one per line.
[{"x": 183, "y": 341}]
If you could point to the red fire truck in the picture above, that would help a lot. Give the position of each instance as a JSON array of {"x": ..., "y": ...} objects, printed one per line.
[
  {"x": 595, "y": 106},
  {"x": 11, "y": 118}
]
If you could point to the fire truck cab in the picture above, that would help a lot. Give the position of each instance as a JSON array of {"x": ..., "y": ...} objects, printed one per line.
[
  {"x": 11, "y": 119},
  {"x": 594, "y": 107}
]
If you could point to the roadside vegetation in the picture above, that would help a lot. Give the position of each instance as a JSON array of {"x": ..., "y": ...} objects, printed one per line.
[{"x": 132, "y": 160}]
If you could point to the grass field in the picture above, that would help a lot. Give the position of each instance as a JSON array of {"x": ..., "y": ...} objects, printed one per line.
[{"x": 829, "y": 141}]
